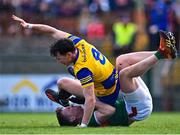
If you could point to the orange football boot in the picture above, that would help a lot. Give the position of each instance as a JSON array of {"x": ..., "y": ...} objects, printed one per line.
[{"x": 167, "y": 45}]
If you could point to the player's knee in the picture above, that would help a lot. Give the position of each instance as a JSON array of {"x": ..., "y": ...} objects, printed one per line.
[
  {"x": 62, "y": 82},
  {"x": 121, "y": 62}
]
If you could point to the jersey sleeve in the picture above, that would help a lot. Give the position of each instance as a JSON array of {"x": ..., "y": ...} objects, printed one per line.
[
  {"x": 85, "y": 76},
  {"x": 75, "y": 39}
]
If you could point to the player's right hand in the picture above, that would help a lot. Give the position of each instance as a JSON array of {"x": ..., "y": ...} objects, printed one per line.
[{"x": 21, "y": 21}]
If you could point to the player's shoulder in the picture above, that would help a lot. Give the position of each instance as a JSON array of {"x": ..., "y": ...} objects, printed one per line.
[
  {"x": 79, "y": 41},
  {"x": 74, "y": 39}
]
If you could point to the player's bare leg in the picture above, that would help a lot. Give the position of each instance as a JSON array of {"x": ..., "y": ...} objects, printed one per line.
[
  {"x": 166, "y": 50},
  {"x": 126, "y": 60},
  {"x": 71, "y": 85},
  {"x": 66, "y": 88}
]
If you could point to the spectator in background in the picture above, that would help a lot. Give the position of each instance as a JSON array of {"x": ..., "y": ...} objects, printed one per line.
[
  {"x": 166, "y": 73},
  {"x": 174, "y": 17},
  {"x": 84, "y": 20},
  {"x": 44, "y": 8},
  {"x": 98, "y": 6},
  {"x": 70, "y": 8},
  {"x": 162, "y": 15},
  {"x": 6, "y": 9},
  {"x": 157, "y": 19},
  {"x": 55, "y": 7},
  {"x": 28, "y": 6},
  {"x": 123, "y": 7},
  {"x": 95, "y": 29},
  {"x": 124, "y": 34}
]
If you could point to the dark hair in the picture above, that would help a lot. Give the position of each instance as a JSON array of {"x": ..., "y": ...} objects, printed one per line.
[
  {"x": 62, "y": 46},
  {"x": 65, "y": 121}
]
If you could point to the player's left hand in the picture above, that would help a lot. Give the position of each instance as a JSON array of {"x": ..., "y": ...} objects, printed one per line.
[{"x": 21, "y": 21}]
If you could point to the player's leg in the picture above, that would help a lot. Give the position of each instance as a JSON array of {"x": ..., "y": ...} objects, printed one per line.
[
  {"x": 129, "y": 59},
  {"x": 136, "y": 94},
  {"x": 138, "y": 102},
  {"x": 66, "y": 88},
  {"x": 72, "y": 86},
  {"x": 138, "y": 69},
  {"x": 166, "y": 50},
  {"x": 126, "y": 60}
]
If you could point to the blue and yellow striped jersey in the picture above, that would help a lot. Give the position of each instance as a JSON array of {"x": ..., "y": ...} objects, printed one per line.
[{"x": 93, "y": 67}]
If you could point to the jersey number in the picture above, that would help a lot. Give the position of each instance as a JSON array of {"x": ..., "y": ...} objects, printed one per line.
[{"x": 98, "y": 56}]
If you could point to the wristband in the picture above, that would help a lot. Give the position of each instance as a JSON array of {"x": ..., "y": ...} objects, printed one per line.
[
  {"x": 83, "y": 125},
  {"x": 29, "y": 26}
]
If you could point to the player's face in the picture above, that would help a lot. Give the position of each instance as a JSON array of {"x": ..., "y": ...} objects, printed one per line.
[
  {"x": 74, "y": 113},
  {"x": 64, "y": 59}
]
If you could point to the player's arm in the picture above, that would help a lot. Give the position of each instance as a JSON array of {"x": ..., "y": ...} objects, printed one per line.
[
  {"x": 85, "y": 76},
  {"x": 89, "y": 104},
  {"x": 45, "y": 29}
]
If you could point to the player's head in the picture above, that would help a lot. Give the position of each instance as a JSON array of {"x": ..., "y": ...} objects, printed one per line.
[
  {"x": 69, "y": 116},
  {"x": 64, "y": 51}
]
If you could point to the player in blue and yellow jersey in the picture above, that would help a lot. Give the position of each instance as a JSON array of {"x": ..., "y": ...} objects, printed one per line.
[
  {"x": 92, "y": 67},
  {"x": 97, "y": 77},
  {"x": 98, "y": 81}
]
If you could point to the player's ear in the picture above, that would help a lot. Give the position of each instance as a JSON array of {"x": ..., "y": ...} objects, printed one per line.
[{"x": 68, "y": 54}]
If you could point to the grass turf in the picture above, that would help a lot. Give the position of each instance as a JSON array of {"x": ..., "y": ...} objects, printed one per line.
[{"x": 46, "y": 123}]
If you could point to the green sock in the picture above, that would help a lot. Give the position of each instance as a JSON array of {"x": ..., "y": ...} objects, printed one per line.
[
  {"x": 159, "y": 55},
  {"x": 92, "y": 122}
]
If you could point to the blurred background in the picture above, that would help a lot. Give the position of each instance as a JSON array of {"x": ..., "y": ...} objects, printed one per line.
[{"x": 113, "y": 26}]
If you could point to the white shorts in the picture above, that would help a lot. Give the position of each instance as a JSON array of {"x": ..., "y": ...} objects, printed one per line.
[{"x": 138, "y": 103}]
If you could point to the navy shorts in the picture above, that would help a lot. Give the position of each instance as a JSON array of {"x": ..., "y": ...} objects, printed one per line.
[{"x": 111, "y": 99}]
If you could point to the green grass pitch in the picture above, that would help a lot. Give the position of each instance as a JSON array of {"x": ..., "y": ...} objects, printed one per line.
[{"x": 46, "y": 123}]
